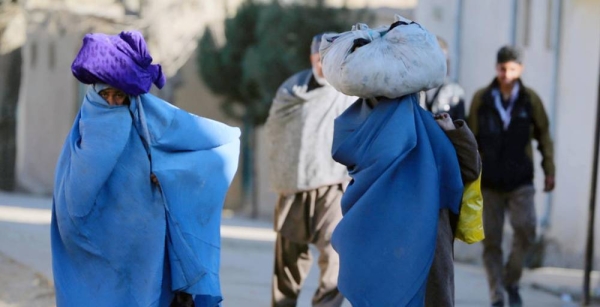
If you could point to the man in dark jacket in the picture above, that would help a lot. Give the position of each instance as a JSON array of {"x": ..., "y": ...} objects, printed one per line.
[{"x": 504, "y": 116}]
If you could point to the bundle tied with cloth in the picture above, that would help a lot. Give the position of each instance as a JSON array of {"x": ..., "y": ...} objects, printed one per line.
[
  {"x": 403, "y": 167},
  {"x": 118, "y": 238}
]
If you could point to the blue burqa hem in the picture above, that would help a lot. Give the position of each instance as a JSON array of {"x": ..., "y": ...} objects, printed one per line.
[
  {"x": 117, "y": 238},
  {"x": 404, "y": 170}
]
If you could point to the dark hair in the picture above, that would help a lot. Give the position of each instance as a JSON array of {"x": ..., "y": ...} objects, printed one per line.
[{"x": 509, "y": 54}]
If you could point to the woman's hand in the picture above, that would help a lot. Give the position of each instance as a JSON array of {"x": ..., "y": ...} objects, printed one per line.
[{"x": 444, "y": 121}]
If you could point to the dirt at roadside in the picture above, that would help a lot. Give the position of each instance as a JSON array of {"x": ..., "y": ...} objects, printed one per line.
[{"x": 22, "y": 287}]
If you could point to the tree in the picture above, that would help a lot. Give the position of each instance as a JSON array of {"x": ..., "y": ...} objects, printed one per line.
[{"x": 265, "y": 43}]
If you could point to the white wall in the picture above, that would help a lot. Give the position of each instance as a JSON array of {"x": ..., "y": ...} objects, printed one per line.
[
  {"x": 485, "y": 28},
  {"x": 439, "y": 17},
  {"x": 539, "y": 65},
  {"x": 575, "y": 121}
]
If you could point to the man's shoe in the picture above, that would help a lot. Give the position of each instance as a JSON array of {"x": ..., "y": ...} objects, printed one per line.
[
  {"x": 498, "y": 304},
  {"x": 514, "y": 298}
]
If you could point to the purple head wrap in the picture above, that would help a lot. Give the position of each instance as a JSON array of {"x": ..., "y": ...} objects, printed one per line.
[{"x": 121, "y": 61}]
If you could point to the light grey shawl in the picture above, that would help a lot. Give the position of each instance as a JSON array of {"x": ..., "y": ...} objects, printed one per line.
[{"x": 300, "y": 132}]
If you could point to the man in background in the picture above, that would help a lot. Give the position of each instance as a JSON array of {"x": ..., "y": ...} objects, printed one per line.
[
  {"x": 309, "y": 183},
  {"x": 504, "y": 116}
]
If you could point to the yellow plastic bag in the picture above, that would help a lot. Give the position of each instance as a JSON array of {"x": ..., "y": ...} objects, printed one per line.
[{"x": 470, "y": 219}]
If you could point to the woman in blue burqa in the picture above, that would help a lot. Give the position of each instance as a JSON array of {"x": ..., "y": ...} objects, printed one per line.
[
  {"x": 404, "y": 168},
  {"x": 139, "y": 188}
]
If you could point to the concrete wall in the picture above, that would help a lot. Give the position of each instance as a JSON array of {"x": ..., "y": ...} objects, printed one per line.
[
  {"x": 438, "y": 16},
  {"x": 47, "y": 107},
  {"x": 579, "y": 67},
  {"x": 566, "y": 78}
]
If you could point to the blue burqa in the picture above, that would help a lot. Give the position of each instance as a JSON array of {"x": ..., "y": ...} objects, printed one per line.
[
  {"x": 117, "y": 238},
  {"x": 404, "y": 170}
]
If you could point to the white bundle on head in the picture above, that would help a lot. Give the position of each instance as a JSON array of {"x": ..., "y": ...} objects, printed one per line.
[{"x": 384, "y": 62}]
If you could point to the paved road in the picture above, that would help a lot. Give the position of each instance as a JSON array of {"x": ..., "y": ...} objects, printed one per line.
[
  {"x": 247, "y": 258},
  {"x": 247, "y": 268}
]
